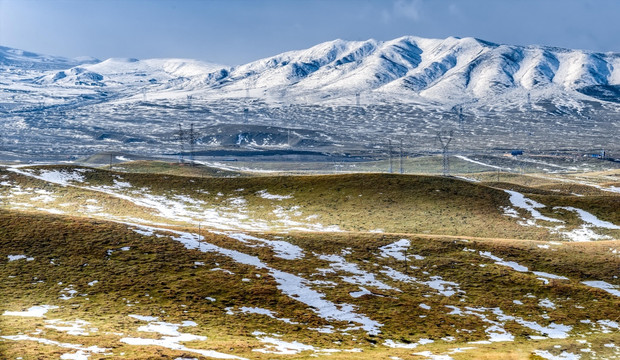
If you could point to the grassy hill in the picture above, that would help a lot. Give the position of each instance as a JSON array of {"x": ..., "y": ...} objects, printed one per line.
[
  {"x": 352, "y": 202},
  {"x": 172, "y": 168},
  {"x": 161, "y": 262},
  {"x": 116, "y": 272}
]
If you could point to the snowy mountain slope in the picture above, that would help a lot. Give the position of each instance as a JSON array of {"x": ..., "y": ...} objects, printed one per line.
[
  {"x": 405, "y": 85},
  {"x": 122, "y": 72},
  {"x": 447, "y": 71},
  {"x": 28, "y": 60},
  {"x": 73, "y": 76}
]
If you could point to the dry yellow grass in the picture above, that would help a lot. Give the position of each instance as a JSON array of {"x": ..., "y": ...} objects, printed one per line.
[
  {"x": 443, "y": 218},
  {"x": 165, "y": 270}
]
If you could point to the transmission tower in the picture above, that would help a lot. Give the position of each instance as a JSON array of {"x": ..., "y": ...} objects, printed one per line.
[
  {"x": 445, "y": 137},
  {"x": 181, "y": 136}
]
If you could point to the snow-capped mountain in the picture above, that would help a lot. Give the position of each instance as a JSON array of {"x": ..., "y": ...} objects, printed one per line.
[
  {"x": 24, "y": 60},
  {"x": 444, "y": 71},
  {"x": 450, "y": 70},
  {"x": 405, "y": 85},
  {"x": 121, "y": 72}
]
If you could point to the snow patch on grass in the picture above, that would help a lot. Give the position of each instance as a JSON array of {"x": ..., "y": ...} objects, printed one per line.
[
  {"x": 265, "y": 195},
  {"x": 397, "y": 275},
  {"x": 583, "y": 233},
  {"x": 79, "y": 355},
  {"x": 549, "y": 276},
  {"x": 67, "y": 293},
  {"x": 261, "y": 311},
  {"x": 360, "y": 277},
  {"x": 398, "y": 345},
  {"x": 277, "y": 346},
  {"x": 19, "y": 257},
  {"x": 445, "y": 288},
  {"x": 73, "y": 327},
  {"x": 363, "y": 291},
  {"x": 515, "y": 266},
  {"x": 496, "y": 331},
  {"x": 59, "y": 177},
  {"x": 612, "y": 289},
  {"x": 500, "y": 261},
  {"x": 294, "y": 286},
  {"x": 520, "y": 201},
  {"x": 35, "y": 311},
  {"x": 144, "y": 318},
  {"x": 590, "y": 218},
  {"x": 562, "y": 356},
  {"x": 172, "y": 338},
  {"x": 430, "y": 356},
  {"x": 546, "y": 303},
  {"x": 281, "y": 248},
  {"x": 79, "y": 347},
  {"x": 396, "y": 250}
]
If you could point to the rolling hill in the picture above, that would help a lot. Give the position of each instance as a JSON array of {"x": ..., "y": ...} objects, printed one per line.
[{"x": 102, "y": 264}]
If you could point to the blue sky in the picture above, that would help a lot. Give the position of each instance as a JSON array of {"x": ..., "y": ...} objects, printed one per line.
[{"x": 238, "y": 31}]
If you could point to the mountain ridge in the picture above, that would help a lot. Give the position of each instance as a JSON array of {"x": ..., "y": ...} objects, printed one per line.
[
  {"x": 418, "y": 65},
  {"x": 409, "y": 68}
]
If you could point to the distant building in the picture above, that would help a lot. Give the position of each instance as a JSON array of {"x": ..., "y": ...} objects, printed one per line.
[{"x": 600, "y": 155}]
